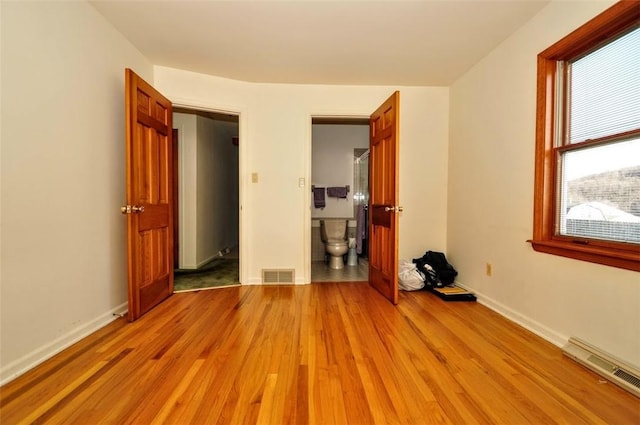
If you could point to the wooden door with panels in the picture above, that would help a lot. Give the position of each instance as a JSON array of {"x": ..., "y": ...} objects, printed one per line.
[
  {"x": 383, "y": 198},
  {"x": 149, "y": 175}
]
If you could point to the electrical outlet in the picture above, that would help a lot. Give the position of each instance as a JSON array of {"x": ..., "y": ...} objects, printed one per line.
[{"x": 489, "y": 269}]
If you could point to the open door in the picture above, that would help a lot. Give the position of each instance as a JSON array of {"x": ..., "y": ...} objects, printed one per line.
[
  {"x": 383, "y": 198},
  {"x": 149, "y": 195}
]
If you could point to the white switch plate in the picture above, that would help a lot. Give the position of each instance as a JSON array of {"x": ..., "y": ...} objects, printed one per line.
[{"x": 301, "y": 182}]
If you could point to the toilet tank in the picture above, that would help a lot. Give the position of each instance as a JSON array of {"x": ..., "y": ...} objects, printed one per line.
[{"x": 333, "y": 229}]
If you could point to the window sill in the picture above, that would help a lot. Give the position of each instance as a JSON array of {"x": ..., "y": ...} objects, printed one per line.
[{"x": 624, "y": 259}]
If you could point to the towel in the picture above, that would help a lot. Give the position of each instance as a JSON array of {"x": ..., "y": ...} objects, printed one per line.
[
  {"x": 318, "y": 197},
  {"x": 337, "y": 192}
]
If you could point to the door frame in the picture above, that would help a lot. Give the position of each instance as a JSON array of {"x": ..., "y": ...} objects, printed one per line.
[
  {"x": 175, "y": 189},
  {"x": 241, "y": 113},
  {"x": 359, "y": 115}
]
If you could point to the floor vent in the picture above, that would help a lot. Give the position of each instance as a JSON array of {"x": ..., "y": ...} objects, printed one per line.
[
  {"x": 611, "y": 368},
  {"x": 626, "y": 376},
  {"x": 278, "y": 276}
]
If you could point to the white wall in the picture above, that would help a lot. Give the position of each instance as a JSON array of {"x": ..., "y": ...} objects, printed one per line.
[
  {"x": 63, "y": 177},
  {"x": 208, "y": 188},
  {"x": 333, "y": 164},
  {"x": 275, "y": 132},
  {"x": 490, "y": 214},
  {"x": 187, "y": 189},
  {"x": 228, "y": 164},
  {"x": 217, "y": 186}
]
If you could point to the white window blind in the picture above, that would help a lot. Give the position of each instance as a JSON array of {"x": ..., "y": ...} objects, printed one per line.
[{"x": 604, "y": 90}]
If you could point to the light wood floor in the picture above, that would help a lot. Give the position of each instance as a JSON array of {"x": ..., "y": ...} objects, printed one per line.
[{"x": 321, "y": 354}]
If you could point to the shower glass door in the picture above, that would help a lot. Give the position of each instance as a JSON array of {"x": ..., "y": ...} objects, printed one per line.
[{"x": 361, "y": 197}]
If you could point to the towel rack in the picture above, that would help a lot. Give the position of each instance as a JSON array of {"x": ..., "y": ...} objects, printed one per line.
[{"x": 348, "y": 187}]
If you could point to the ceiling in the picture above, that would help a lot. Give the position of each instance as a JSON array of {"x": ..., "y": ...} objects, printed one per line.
[{"x": 359, "y": 42}]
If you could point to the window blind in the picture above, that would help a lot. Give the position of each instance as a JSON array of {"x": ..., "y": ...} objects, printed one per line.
[
  {"x": 604, "y": 90},
  {"x": 599, "y": 194}
]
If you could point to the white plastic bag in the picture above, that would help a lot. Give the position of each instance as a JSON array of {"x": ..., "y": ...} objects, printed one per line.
[{"x": 409, "y": 279}]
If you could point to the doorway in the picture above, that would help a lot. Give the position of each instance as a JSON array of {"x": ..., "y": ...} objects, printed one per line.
[
  {"x": 339, "y": 166},
  {"x": 207, "y": 199}
]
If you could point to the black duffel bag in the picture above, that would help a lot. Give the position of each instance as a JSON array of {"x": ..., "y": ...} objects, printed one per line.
[{"x": 445, "y": 273}]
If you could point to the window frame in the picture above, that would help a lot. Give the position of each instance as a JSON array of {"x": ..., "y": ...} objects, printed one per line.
[{"x": 614, "y": 21}]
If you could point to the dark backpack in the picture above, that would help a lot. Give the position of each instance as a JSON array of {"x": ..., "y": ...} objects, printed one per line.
[{"x": 444, "y": 271}]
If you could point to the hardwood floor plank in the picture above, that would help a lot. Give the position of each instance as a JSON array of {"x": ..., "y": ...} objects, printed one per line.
[
  {"x": 350, "y": 311},
  {"x": 30, "y": 379},
  {"x": 171, "y": 405},
  {"x": 330, "y": 353},
  {"x": 42, "y": 410},
  {"x": 302, "y": 396}
]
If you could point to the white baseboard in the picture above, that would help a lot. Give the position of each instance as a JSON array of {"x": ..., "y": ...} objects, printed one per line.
[
  {"x": 537, "y": 328},
  {"x": 199, "y": 264},
  {"x": 29, "y": 361},
  {"x": 208, "y": 260}
]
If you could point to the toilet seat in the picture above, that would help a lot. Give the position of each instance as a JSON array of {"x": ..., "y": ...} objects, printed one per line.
[{"x": 336, "y": 242}]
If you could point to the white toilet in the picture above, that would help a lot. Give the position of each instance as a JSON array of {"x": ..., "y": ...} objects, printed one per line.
[{"x": 334, "y": 236}]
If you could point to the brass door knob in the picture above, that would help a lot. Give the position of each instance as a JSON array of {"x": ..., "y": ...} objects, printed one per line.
[
  {"x": 128, "y": 209},
  {"x": 394, "y": 209}
]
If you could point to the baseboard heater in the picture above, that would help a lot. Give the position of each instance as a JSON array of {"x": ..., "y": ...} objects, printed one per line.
[
  {"x": 278, "y": 276},
  {"x": 607, "y": 366}
]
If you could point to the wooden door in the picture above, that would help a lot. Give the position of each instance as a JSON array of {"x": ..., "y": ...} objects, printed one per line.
[
  {"x": 149, "y": 195},
  {"x": 383, "y": 198}
]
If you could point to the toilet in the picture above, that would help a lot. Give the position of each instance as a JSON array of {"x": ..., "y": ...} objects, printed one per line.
[{"x": 334, "y": 236}]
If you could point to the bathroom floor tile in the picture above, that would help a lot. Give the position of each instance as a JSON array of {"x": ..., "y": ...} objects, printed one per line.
[{"x": 320, "y": 272}]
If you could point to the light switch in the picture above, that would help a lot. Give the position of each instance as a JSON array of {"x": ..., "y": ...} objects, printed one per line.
[
  {"x": 254, "y": 177},
  {"x": 301, "y": 182}
]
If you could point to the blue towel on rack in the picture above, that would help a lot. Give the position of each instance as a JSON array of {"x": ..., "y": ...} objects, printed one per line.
[
  {"x": 318, "y": 197},
  {"x": 337, "y": 192}
]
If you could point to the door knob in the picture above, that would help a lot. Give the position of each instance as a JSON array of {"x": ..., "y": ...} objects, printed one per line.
[
  {"x": 394, "y": 209},
  {"x": 128, "y": 209}
]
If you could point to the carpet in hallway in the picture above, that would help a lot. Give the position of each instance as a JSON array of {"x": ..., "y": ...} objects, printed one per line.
[{"x": 218, "y": 272}]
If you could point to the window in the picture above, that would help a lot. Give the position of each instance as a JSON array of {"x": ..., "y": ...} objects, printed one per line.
[{"x": 587, "y": 183}]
